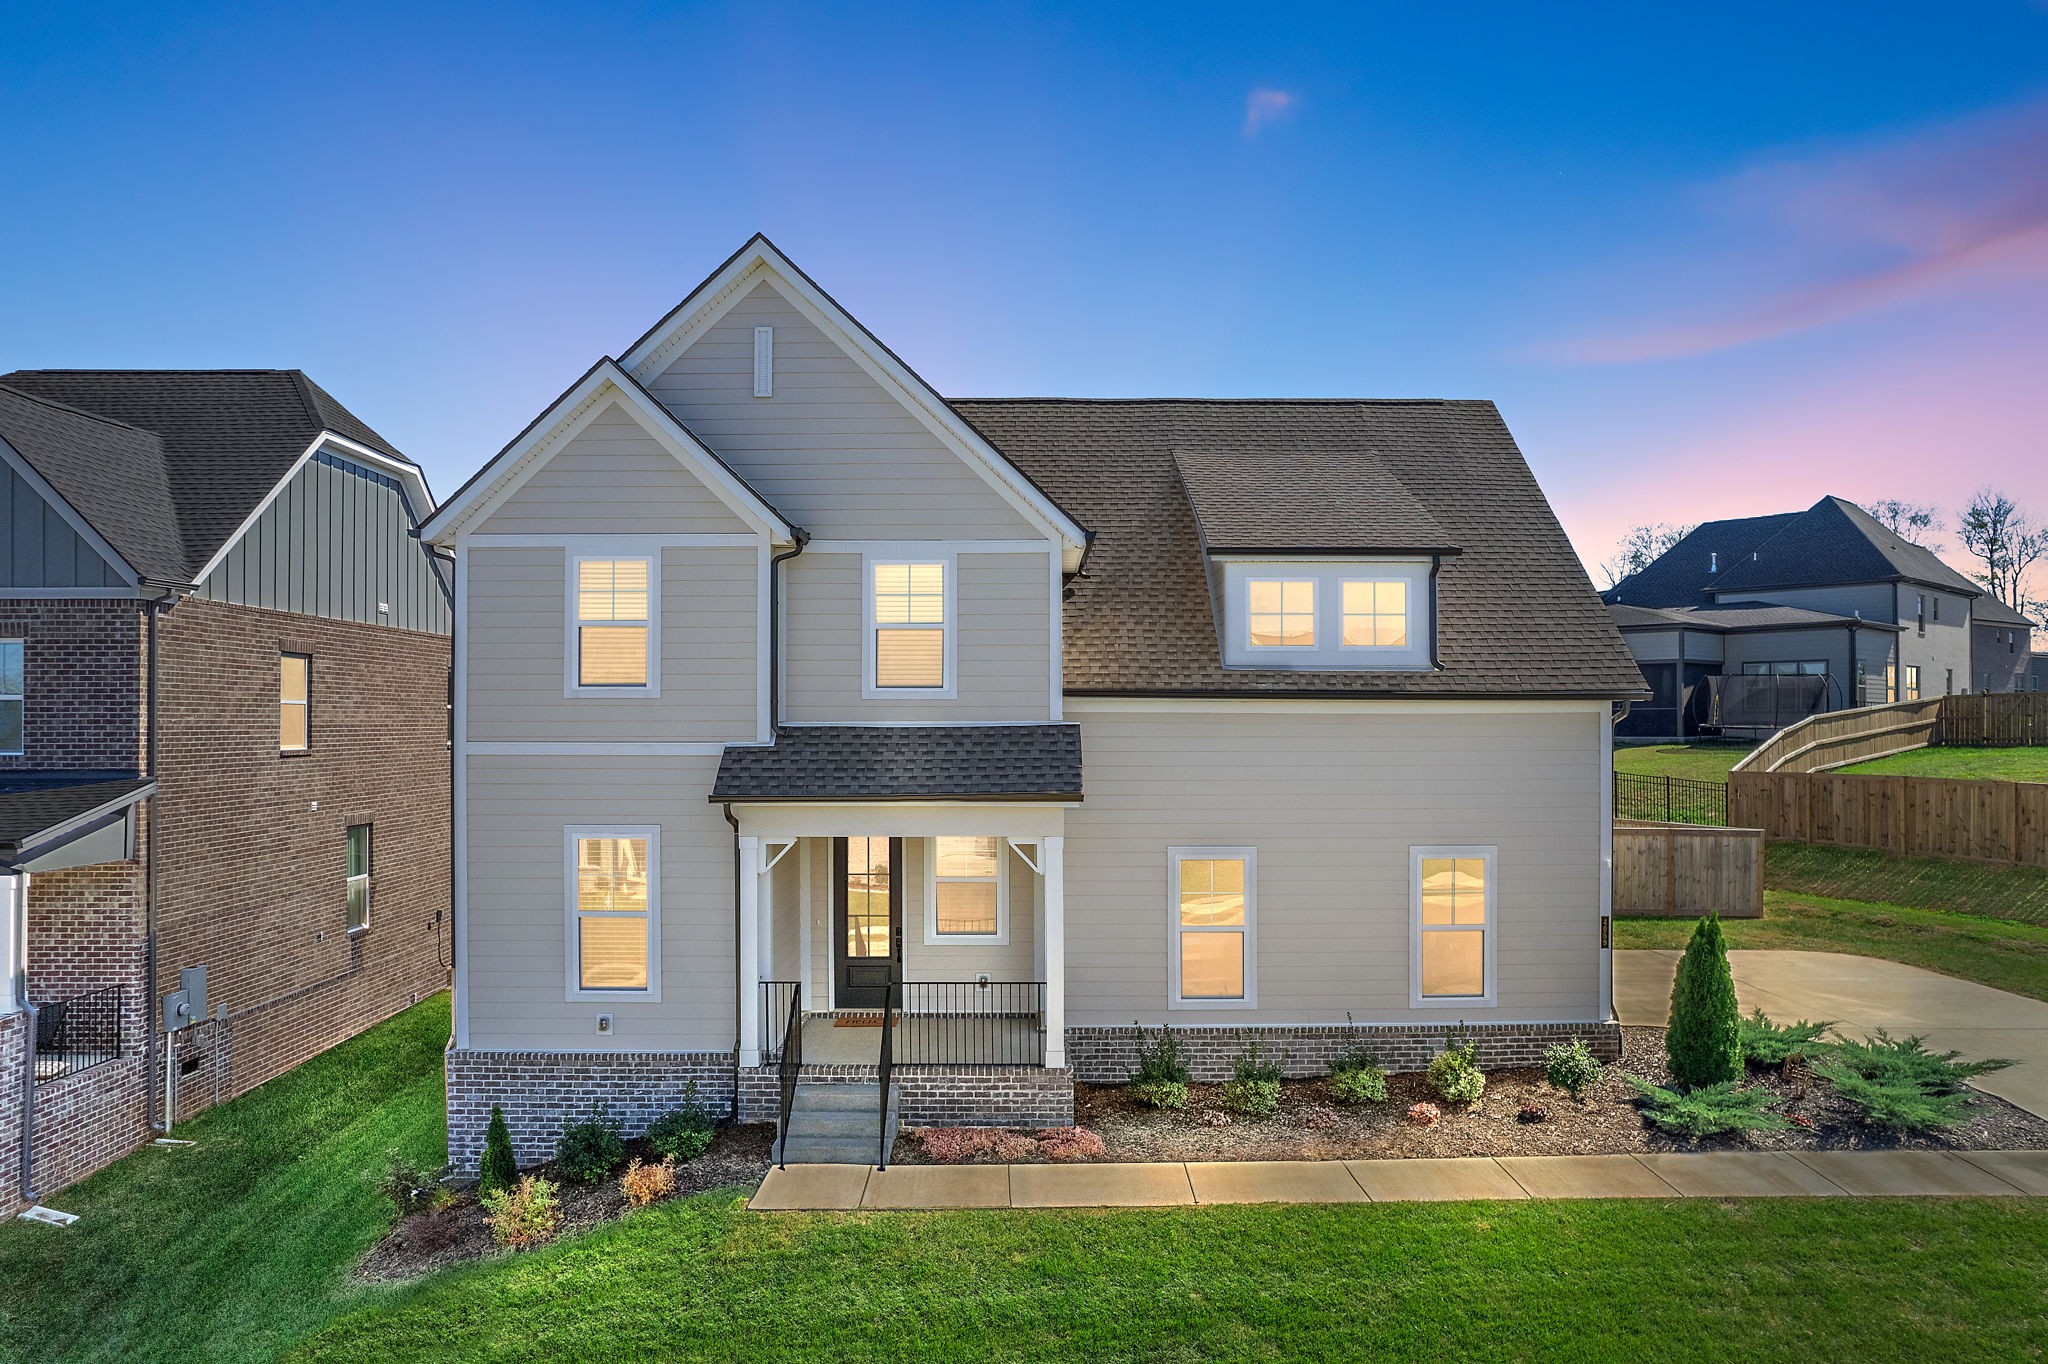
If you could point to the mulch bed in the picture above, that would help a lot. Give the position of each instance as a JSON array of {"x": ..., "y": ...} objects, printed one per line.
[
  {"x": 429, "y": 1241},
  {"x": 1311, "y": 1125}
]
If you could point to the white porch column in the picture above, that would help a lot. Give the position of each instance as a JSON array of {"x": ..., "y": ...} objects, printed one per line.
[
  {"x": 1053, "y": 852},
  {"x": 13, "y": 939},
  {"x": 750, "y": 950}
]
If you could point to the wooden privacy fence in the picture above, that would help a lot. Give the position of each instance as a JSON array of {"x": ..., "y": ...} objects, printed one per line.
[
  {"x": 1685, "y": 871},
  {"x": 1984, "y": 821},
  {"x": 1846, "y": 736},
  {"x": 2017, "y": 719}
]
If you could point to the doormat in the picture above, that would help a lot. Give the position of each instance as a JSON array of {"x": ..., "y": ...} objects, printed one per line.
[{"x": 857, "y": 1021}]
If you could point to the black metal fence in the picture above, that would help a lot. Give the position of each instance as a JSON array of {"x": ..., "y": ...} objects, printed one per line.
[
  {"x": 78, "y": 1033},
  {"x": 1673, "y": 800},
  {"x": 971, "y": 1023}
]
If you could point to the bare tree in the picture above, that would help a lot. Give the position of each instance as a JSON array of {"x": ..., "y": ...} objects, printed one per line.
[
  {"x": 2005, "y": 540},
  {"x": 1639, "y": 548},
  {"x": 1913, "y": 522}
]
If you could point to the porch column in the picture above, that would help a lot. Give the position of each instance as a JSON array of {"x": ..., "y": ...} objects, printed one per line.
[
  {"x": 1053, "y": 852},
  {"x": 750, "y": 950},
  {"x": 13, "y": 940}
]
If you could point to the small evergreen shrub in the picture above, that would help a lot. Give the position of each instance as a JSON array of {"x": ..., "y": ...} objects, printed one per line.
[
  {"x": 412, "y": 1187},
  {"x": 683, "y": 1134},
  {"x": 524, "y": 1215},
  {"x": 500, "y": 1168},
  {"x": 1708, "y": 1110},
  {"x": 1160, "y": 1093},
  {"x": 1571, "y": 1067},
  {"x": 1893, "y": 1104},
  {"x": 591, "y": 1147},
  {"x": 645, "y": 1184},
  {"x": 1454, "y": 1075},
  {"x": 1906, "y": 1060},
  {"x": 1255, "y": 1088},
  {"x": 1158, "y": 1060},
  {"x": 1704, "y": 1041},
  {"x": 1765, "y": 1043},
  {"x": 1365, "y": 1085}
]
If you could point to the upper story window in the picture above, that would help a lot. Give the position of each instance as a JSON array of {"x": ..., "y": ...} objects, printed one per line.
[
  {"x": 13, "y": 695},
  {"x": 358, "y": 840},
  {"x": 909, "y": 634},
  {"x": 294, "y": 702},
  {"x": 613, "y": 606},
  {"x": 1920, "y": 611},
  {"x": 1340, "y": 614}
]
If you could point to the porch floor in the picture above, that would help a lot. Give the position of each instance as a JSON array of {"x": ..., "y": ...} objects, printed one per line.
[{"x": 968, "y": 1040}]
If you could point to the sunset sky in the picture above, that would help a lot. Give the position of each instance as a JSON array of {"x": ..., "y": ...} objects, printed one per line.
[{"x": 1709, "y": 261}]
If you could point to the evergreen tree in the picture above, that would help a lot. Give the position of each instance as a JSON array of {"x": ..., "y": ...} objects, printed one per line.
[
  {"x": 500, "y": 1170},
  {"x": 1704, "y": 1041}
]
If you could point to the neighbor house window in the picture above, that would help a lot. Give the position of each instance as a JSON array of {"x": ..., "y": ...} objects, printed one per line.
[
  {"x": 13, "y": 695},
  {"x": 614, "y": 618},
  {"x": 907, "y": 626},
  {"x": 1912, "y": 682},
  {"x": 966, "y": 892},
  {"x": 1786, "y": 668},
  {"x": 1375, "y": 614},
  {"x": 1453, "y": 902},
  {"x": 1213, "y": 909},
  {"x": 1920, "y": 611},
  {"x": 358, "y": 877},
  {"x": 613, "y": 910},
  {"x": 1280, "y": 613},
  {"x": 294, "y": 702},
  {"x": 1891, "y": 682}
]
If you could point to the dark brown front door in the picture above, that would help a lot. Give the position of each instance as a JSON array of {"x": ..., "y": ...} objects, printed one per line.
[{"x": 867, "y": 919}]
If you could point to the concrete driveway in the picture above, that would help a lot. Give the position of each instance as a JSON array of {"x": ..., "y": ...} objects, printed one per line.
[{"x": 1863, "y": 994}]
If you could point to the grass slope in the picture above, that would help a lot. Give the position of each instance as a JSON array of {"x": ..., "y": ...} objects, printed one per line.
[
  {"x": 235, "y": 1247},
  {"x": 1700, "y": 762},
  {"x": 1989, "y": 890},
  {"x": 1995, "y": 764}
]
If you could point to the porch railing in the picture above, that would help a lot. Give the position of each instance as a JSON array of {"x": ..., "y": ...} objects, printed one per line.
[
  {"x": 971, "y": 1023},
  {"x": 791, "y": 1064},
  {"x": 78, "y": 1033},
  {"x": 776, "y": 1013}
]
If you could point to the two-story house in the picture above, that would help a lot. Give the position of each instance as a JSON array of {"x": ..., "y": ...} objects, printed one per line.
[
  {"x": 224, "y": 819},
  {"x": 1749, "y": 624},
  {"x": 805, "y": 715}
]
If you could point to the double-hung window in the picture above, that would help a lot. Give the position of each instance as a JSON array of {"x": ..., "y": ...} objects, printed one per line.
[
  {"x": 966, "y": 891},
  {"x": 294, "y": 702},
  {"x": 1212, "y": 909},
  {"x": 1912, "y": 682},
  {"x": 358, "y": 877},
  {"x": 1280, "y": 613},
  {"x": 1452, "y": 893},
  {"x": 614, "y": 912},
  {"x": 613, "y": 606},
  {"x": 909, "y": 629},
  {"x": 13, "y": 695}
]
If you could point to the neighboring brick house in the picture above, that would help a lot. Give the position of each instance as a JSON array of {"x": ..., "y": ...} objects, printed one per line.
[{"x": 223, "y": 749}]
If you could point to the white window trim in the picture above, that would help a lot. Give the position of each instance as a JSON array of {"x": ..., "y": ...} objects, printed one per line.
[
  {"x": 1490, "y": 854},
  {"x": 1329, "y": 653},
  {"x": 572, "y": 639},
  {"x": 1250, "y": 857},
  {"x": 1315, "y": 613},
  {"x": 950, "y": 630},
  {"x": 22, "y": 697},
  {"x": 369, "y": 868},
  {"x": 1402, "y": 651},
  {"x": 572, "y": 973},
  {"x": 932, "y": 936}
]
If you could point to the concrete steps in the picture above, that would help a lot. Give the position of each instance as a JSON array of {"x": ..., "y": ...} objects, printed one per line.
[{"x": 836, "y": 1124}]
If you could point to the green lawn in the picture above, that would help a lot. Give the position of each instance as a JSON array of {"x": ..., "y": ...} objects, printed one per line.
[
  {"x": 1994, "y": 764},
  {"x": 1985, "y": 889},
  {"x": 1700, "y": 762}
]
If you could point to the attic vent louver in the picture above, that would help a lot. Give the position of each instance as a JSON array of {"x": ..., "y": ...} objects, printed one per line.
[
  {"x": 764, "y": 362},
  {"x": 1714, "y": 561}
]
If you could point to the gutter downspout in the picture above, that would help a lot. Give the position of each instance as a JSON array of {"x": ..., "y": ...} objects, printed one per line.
[
  {"x": 153, "y": 1055},
  {"x": 739, "y": 1001},
  {"x": 18, "y": 909},
  {"x": 1436, "y": 564}
]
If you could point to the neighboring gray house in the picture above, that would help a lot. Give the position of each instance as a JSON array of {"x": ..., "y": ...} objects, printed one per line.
[
  {"x": 786, "y": 688},
  {"x": 1836, "y": 608}
]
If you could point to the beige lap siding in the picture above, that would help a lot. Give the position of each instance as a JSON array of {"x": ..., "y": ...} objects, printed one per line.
[
  {"x": 517, "y": 903},
  {"x": 1333, "y": 797},
  {"x": 518, "y": 634}
]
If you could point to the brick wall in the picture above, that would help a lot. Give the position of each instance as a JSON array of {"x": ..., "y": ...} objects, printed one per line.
[
  {"x": 543, "y": 1091},
  {"x": 13, "y": 1031},
  {"x": 84, "y": 664},
  {"x": 1109, "y": 1055},
  {"x": 936, "y": 1096}
]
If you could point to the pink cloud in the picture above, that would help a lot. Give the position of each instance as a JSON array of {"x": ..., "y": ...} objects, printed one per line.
[{"x": 1263, "y": 106}]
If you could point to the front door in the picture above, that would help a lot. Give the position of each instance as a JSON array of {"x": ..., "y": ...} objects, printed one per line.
[{"x": 867, "y": 920}]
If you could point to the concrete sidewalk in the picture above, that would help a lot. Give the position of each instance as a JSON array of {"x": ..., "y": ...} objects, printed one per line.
[
  {"x": 1733, "y": 1174},
  {"x": 1864, "y": 994}
]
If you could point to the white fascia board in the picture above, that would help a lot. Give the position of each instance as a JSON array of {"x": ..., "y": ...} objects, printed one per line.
[
  {"x": 16, "y": 461},
  {"x": 717, "y": 295},
  {"x": 407, "y": 473},
  {"x": 564, "y": 421},
  {"x": 1079, "y": 706}
]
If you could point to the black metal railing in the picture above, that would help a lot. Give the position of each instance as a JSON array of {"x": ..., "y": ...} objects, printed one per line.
[
  {"x": 973, "y": 1023},
  {"x": 891, "y": 996},
  {"x": 791, "y": 1054},
  {"x": 775, "y": 998},
  {"x": 1672, "y": 800},
  {"x": 78, "y": 1033}
]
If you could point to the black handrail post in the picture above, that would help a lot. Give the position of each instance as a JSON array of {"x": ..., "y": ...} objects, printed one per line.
[
  {"x": 792, "y": 1063},
  {"x": 888, "y": 1060}
]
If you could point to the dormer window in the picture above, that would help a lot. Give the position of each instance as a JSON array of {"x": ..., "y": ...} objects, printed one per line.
[
  {"x": 1281, "y": 613},
  {"x": 1375, "y": 613},
  {"x": 1349, "y": 615}
]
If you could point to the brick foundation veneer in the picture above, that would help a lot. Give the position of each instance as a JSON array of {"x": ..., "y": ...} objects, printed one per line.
[
  {"x": 1109, "y": 1055},
  {"x": 937, "y": 1096},
  {"x": 543, "y": 1091}
]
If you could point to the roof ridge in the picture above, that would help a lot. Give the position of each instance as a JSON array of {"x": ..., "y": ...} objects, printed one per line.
[
  {"x": 62, "y": 406},
  {"x": 174, "y": 370},
  {"x": 1226, "y": 402}
]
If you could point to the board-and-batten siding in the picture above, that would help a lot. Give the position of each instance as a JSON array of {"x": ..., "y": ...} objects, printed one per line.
[
  {"x": 1333, "y": 802},
  {"x": 517, "y": 908},
  {"x": 38, "y": 547},
  {"x": 517, "y": 639},
  {"x": 832, "y": 449},
  {"x": 1003, "y": 652},
  {"x": 337, "y": 542},
  {"x": 613, "y": 478}
]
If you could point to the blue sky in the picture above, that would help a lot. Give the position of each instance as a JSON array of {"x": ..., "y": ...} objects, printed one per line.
[{"x": 1708, "y": 261}]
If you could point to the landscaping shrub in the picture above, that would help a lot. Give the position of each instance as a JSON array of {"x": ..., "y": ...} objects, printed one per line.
[
  {"x": 1532, "y": 1112},
  {"x": 1364, "y": 1086},
  {"x": 956, "y": 1145},
  {"x": 1160, "y": 1093},
  {"x": 1161, "y": 1080},
  {"x": 1896, "y": 1105},
  {"x": 1071, "y": 1143},
  {"x": 412, "y": 1187},
  {"x": 1708, "y": 1109},
  {"x": 685, "y": 1133},
  {"x": 1571, "y": 1067},
  {"x": 1765, "y": 1043},
  {"x": 1454, "y": 1075},
  {"x": 645, "y": 1184},
  {"x": 1704, "y": 1040},
  {"x": 523, "y": 1215},
  {"x": 501, "y": 1168},
  {"x": 1255, "y": 1088},
  {"x": 1424, "y": 1115},
  {"x": 1906, "y": 1060},
  {"x": 591, "y": 1147}
]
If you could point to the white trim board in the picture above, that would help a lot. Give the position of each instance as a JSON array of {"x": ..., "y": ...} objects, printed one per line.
[{"x": 406, "y": 473}]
